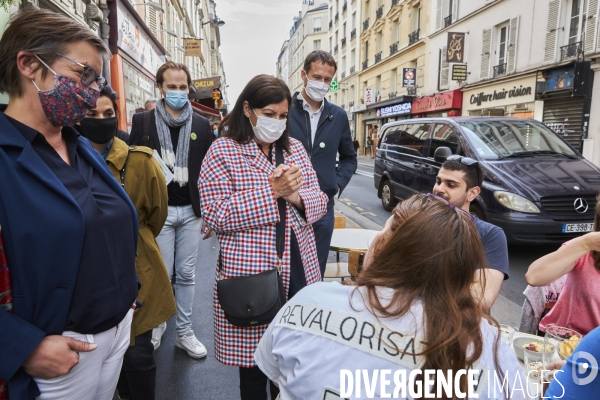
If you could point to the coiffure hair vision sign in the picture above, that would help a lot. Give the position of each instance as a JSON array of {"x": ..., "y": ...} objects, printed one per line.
[{"x": 396, "y": 109}]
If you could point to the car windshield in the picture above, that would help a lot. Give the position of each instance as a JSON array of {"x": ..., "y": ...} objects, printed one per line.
[{"x": 514, "y": 138}]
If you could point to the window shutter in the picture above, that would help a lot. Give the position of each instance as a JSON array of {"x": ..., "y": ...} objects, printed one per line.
[
  {"x": 552, "y": 31},
  {"x": 438, "y": 15},
  {"x": 444, "y": 69},
  {"x": 454, "y": 11},
  {"x": 486, "y": 49},
  {"x": 512, "y": 45},
  {"x": 590, "y": 26}
]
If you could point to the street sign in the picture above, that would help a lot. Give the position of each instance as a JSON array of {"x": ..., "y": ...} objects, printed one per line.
[
  {"x": 455, "y": 49},
  {"x": 334, "y": 86},
  {"x": 409, "y": 77},
  {"x": 459, "y": 72}
]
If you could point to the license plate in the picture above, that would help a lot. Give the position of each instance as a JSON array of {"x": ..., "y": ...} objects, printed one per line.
[{"x": 569, "y": 228}]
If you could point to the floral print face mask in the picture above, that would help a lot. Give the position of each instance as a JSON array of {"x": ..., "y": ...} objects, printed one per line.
[{"x": 68, "y": 101}]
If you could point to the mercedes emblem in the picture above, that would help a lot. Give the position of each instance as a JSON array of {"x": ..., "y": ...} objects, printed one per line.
[{"x": 581, "y": 205}]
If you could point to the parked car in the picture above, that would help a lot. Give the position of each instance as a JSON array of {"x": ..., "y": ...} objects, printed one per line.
[{"x": 536, "y": 186}]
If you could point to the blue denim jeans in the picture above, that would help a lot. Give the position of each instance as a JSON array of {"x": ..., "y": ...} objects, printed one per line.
[
  {"x": 178, "y": 241},
  {"x": 323, "y": 229}
]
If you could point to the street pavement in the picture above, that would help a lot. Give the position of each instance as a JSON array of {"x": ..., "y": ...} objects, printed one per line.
[{"x": 180, "y": 377}]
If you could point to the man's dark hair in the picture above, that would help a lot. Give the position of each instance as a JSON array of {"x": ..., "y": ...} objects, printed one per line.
[
  {"x": 107, "y": 91},
  {"x": 473, "y": 173},
  {"x": 321, "y": 56}
]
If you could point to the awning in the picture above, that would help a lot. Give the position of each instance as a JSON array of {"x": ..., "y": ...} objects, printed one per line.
[{"x": 210, "y": 113}]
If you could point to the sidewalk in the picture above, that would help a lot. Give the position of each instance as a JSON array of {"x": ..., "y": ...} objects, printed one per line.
[
  {"x": 365, "y": 161},
  {"x": 504, "y": 310}
]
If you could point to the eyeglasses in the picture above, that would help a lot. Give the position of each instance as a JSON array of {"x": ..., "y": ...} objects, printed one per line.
[
  {"x": 433, "y": 196},
  {"x": 466, "y": 161},
  {"x": 89, "y": 74}
]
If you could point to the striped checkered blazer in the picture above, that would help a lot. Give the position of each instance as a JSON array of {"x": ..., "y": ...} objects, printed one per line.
[{"x": 237, "y": 201}]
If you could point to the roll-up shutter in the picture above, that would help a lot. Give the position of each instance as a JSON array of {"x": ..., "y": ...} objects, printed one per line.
[{"x": 565, "y": 117}]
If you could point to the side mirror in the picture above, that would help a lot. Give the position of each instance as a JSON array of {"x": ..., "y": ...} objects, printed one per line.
[{"x": 441, "y": 154}]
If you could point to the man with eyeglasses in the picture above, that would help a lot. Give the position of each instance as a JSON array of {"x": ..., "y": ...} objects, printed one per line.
[{"x": 459, "y": 182}]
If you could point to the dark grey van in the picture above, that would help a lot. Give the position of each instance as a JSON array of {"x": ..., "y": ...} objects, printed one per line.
[{"x": 536, "y": 186}]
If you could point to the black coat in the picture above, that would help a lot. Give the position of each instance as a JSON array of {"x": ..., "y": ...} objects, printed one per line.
[{"x": 198, "y": 147}]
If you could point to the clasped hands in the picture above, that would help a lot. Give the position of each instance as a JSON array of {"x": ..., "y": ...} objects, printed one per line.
[{"x": 286, "y": 181}]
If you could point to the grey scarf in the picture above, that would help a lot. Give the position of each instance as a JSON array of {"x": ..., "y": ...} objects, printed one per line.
[{"x": 176, "y": 161}]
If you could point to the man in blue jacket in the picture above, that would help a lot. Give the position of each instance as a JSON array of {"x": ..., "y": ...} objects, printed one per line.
[{"x": 324, "y": 131}]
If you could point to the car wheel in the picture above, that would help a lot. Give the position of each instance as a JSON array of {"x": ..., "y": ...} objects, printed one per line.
[
  {"x": 478, "y": 212},
  {"x": 387, "y": 196}
]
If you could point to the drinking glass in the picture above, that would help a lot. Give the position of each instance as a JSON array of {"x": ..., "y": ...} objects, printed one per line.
[{"x": 506, "y": 333}]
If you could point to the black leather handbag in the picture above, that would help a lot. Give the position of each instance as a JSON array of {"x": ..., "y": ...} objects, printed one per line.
[{"x": 255, "y": 300}]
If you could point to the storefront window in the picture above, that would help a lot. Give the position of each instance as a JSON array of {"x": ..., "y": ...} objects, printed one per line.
[{"x": 138, "y": 88}]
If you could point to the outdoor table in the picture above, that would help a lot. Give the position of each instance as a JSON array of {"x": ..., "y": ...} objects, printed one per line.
[{"x": 347, "y": 240}]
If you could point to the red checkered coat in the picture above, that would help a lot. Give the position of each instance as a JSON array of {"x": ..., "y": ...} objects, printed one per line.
[{"x": 238, "y": 203}]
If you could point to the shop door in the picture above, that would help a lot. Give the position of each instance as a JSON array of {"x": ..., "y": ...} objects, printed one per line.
[{"x": 565, "y": 117}]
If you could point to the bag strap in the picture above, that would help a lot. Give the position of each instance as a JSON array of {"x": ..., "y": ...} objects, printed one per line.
[
  {"x": 146, "y": 137},
  {"x": 280, "y": 226},
  {"x": 281, "y": 205}
]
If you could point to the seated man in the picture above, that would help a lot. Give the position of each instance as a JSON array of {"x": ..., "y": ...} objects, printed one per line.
[{"x": 459, "y": 182}]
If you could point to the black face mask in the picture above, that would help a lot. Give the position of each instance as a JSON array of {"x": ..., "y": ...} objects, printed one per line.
[{"x": 99, "y": 130}]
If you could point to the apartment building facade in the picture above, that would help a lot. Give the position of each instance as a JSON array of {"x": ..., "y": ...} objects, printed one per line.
[
  {"x": 534, "y": 59},
  {"x": 344, "y": 44},
  {"x": 393, "y": 50},
  {"x": 308, "y": 33}
]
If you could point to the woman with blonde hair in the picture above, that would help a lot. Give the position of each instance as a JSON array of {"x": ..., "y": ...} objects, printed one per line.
[{"x": 411, "y": 310}]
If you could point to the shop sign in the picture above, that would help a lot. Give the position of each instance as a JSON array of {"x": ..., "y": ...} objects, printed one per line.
[
  {"x": 396, "y": 109},
  {"x": 502, "y": 94},
  {"x": 560, "y": 78},
  {"x": 459, "y": 72},
  {"x": 455, "y": 49},
  {"x": 133, "y": 41},
  {"x": 409, "y": 77},
  {"x": 438, "y": 102},
  {"x": 192, "y": 47},
  {"x": 205, "y": 87},
  {"x": 369, "y": 95},
  {"x": 359, "y": 108}
]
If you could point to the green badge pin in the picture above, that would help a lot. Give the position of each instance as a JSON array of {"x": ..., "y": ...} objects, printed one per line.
[
  {"x": 322, "y": 145},
  {"x": 193, "y": 136}
]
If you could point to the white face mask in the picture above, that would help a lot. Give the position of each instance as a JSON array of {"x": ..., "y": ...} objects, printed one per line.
[
  {"x": 316, "y": 90},
  {"x": 268, "y": 130}
]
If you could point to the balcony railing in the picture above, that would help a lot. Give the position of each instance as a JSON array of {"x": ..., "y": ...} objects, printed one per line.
[
  {"x": 352, "y": 69},
  {"x": 412, "y": 91},
  {"x": 343, "y": 42},
  {"x": 413, "y": 37},
  {"x": 335, "y": 48},
  {"x": 448, "y": 21},
  {"x": 393, "y": 48},
  {"x": 345, "y": 7},
  {"x": 366, "y": 24},
  {"x": 343, "y": 74},
  {"x": 337, "y": 16},
  {"x": 317, "y": 30},
  {"x": 571, "y": 50},
  {"x": 378, "y": 57},
  {"x": 353, "y": 34},
  {"x": 500, "y": 69},
  {"x": 351, "y": 104},
  {"x": 392, "y": 95},
  {"x": 365, "y": 64},
  {"x": 395, "y": 2},
  {"x": 379, "y": 13}
]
